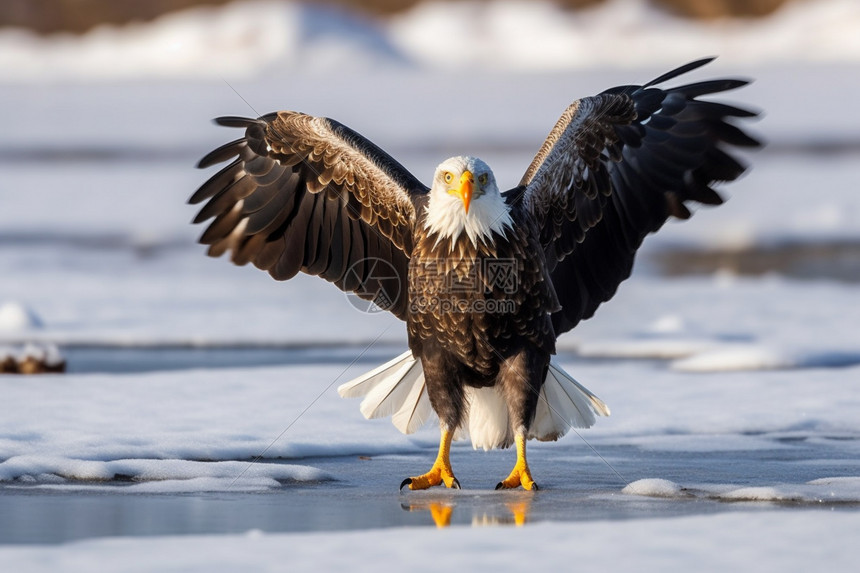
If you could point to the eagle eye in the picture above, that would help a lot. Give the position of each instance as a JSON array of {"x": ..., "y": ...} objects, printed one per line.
[
  {"x": 448, "y": 177},
  {"x": 483, "y": 178}
]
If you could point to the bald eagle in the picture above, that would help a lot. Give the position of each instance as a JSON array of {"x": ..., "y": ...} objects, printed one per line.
[{"x": 485, "y": 280}]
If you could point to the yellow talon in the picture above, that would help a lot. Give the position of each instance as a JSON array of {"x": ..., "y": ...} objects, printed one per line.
[
  {"x": 520, "y": 475},
  {"x": 440, "y": 472}
]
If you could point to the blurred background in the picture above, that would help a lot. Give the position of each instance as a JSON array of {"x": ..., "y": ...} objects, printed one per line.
[
  {"x": 47, "y": 16},
  {"x": 106, "y": 106}
]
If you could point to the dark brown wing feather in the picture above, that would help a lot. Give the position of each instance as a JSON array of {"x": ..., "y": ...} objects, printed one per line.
[
  {"x": 614, "y": 169},
  {"x": 305, "y": 193}
]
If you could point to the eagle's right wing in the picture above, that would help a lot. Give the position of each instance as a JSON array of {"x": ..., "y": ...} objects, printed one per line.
[
  {"x": 614, "y": 169},
  {"x": 307, "y": 193}
]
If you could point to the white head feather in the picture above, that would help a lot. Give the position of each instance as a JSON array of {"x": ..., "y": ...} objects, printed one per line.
[{"x": 446, "y": 213}]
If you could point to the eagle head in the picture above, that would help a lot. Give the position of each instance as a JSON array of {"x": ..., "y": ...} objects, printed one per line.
[{"x": 464, "y": 197}]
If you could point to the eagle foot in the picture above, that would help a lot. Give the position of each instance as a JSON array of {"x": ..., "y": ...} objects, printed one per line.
[
  {"x": 436, "y": 476},
  {"x": 517, "y": 479},
  {"x": 440, "y": 472},
  {"x": 520, "y": 475}
]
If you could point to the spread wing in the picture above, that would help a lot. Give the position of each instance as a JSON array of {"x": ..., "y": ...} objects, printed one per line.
[
  {"x": 304, "y": 193},
  {"x": 614, "y": 169}
]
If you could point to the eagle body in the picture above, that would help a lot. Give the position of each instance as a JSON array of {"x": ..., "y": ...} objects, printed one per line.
[
  {"x": 491, "y": 303},
  {"x": 486, "y": 280}
]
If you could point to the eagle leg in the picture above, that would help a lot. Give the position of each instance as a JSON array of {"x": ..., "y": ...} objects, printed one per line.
[
  {"x": 520, "y": 475},
  {"x": 440, "y": 472}
]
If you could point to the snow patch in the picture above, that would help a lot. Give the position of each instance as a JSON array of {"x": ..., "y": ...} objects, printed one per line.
[
  {"x": 653, "y": 487},
  {"x": 170, "y": 486},
  {"x": 762, "y": 357},
  {"x": 669, "y": 324},
  {"x": 823, "y": 490},
  {"x": 746, "y": 357},
  {"x": 661, "y": 348},
  {"x": 757, "y": 494},
  {"x": 16, "y": 317},
  {"x": 184, "y": 475},
  {"x": 160, "y": 426}
]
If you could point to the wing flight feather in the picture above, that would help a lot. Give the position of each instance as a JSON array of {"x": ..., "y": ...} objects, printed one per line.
[
  {"x": 614, "y": 168},
  {"x": 305, "y": 193}
]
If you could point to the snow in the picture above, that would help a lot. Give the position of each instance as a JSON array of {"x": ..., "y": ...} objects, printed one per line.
[
  {"x": 517, "y": 35},
  {"x": 192, "y": 415},
  {"x": 653, "y": 487},
  {"x": 773, "y": 541},
  {"x": 822, "y": 490},
  {"x": 734, "y": 403},
  {"x": 802, "y": 325},
  {"x": 83, "y": 427},
  {"x": 163, "y": 476},
  {"x": 14, "y": 317},
  {"x": 244, "y": 39}
]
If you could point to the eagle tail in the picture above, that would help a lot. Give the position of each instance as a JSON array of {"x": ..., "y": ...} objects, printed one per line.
[
  {"x": 395, "y": 389},
  {"x": 564, "y": 403},
  {"x": 488, "y": 425}
]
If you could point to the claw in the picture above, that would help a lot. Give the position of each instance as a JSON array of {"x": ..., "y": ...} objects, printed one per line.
[
  {"x": 438, "y": 475},
  {"x": 520, "y": 476},
  {"x": 440, "y": 472}
]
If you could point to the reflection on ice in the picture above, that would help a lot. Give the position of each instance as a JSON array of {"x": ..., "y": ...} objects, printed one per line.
[{"x": 498, "y": 508}]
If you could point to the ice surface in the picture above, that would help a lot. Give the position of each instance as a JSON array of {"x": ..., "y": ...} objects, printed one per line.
[
  {"x": 773, "y": 541},
  {"x": 727, "y": 323},
  {"x": 78, "y": 424}
]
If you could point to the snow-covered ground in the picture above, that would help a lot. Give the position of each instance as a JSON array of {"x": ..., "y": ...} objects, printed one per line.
[
  {"x": 245, "y": 39},
  {"x": 768, "y": 542},
  {"x": 735, "y": 412}
]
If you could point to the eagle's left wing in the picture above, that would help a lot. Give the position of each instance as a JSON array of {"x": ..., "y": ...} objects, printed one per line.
[{"x": 615, "y": 168}]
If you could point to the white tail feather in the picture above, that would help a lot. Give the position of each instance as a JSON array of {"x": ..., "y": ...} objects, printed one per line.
[
  {"x": 488, "y": 418},
  {"x": 416, "y": 411},
  {"x": 358, "y": 387},
  {"x": 564, "y": 403},
  {"x": 398, "y": 389},
  {"x": 395, "y": 389}
]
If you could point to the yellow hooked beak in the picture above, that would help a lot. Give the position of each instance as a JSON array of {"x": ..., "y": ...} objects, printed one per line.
[{"x": 465, "y": 189}]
